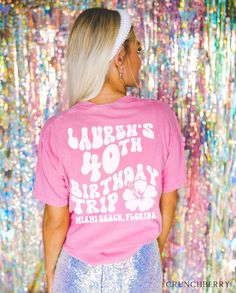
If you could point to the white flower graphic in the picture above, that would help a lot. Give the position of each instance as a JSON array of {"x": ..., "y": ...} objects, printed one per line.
[{"x": 139, "y": 195}]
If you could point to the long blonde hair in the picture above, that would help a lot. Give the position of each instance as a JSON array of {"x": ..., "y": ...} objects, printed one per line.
[{"x": 89, "y": 46}]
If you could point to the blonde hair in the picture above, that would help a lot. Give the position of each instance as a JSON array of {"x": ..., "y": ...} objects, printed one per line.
[{"x": 89, "y": 46}]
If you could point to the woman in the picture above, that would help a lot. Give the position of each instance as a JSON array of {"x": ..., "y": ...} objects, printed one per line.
[{"x": 108, "y": 168}]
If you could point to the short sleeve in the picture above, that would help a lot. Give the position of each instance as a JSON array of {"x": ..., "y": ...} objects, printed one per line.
[
  {"x": 49, "y": 185},
  {"x": 173, "y": 174}
]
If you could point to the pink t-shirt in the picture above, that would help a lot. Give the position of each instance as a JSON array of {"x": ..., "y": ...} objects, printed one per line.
[{"x": 110, "y": 163}]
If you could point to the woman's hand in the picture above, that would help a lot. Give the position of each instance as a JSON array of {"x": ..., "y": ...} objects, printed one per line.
[
  {"x": 49, "y": 281},
  {"x": 161, "y": 247}
]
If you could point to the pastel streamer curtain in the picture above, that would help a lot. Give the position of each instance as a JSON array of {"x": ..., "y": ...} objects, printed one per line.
[{"x": 189, "y": 62}]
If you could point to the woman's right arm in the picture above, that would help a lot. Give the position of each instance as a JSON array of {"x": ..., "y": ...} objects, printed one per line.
[
  {"x": 55, "y": 226},
  {"x": 168, "y": 204}
]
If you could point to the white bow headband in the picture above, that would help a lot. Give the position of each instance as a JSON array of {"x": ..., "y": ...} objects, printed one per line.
[{"x": 125, "y": 26}]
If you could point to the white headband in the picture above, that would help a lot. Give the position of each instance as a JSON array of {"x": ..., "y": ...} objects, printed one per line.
[{"x": 125, "y": 26}]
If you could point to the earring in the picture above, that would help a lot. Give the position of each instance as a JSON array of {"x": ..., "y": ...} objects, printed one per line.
[{"x": 121, "y": 73}]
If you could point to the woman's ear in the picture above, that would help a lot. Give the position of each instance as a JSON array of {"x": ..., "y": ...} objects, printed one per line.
[{"x": 119, "y": 59}]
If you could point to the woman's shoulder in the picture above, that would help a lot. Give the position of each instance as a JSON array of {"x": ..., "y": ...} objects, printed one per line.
[
  {"x": 156, "y": 102},
  {"x": 52, "y": 123},
  {"x": 161, "y": 107},
  {"x": 56, "y": 120}
]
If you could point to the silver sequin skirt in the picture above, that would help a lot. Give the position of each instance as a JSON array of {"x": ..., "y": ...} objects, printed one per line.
[{"x": 141, "y": 273}]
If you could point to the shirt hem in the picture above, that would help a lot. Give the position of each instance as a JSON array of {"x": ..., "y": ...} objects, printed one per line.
[{"x": 128, "y": 255}]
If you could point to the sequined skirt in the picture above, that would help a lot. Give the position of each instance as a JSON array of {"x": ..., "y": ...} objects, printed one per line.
[{"x": 141, "y": 273}]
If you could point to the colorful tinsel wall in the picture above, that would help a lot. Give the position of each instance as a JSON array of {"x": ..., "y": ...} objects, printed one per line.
[{"x": 189, "y": 62}]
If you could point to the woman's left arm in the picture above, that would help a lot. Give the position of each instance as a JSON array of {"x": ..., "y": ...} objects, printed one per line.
[
  {"x": 55, "y": 226},
  {"x": 168, "y": 205}
]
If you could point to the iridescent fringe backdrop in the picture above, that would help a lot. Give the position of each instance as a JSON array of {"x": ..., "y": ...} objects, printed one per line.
[{"x": 189, "y": 62}]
